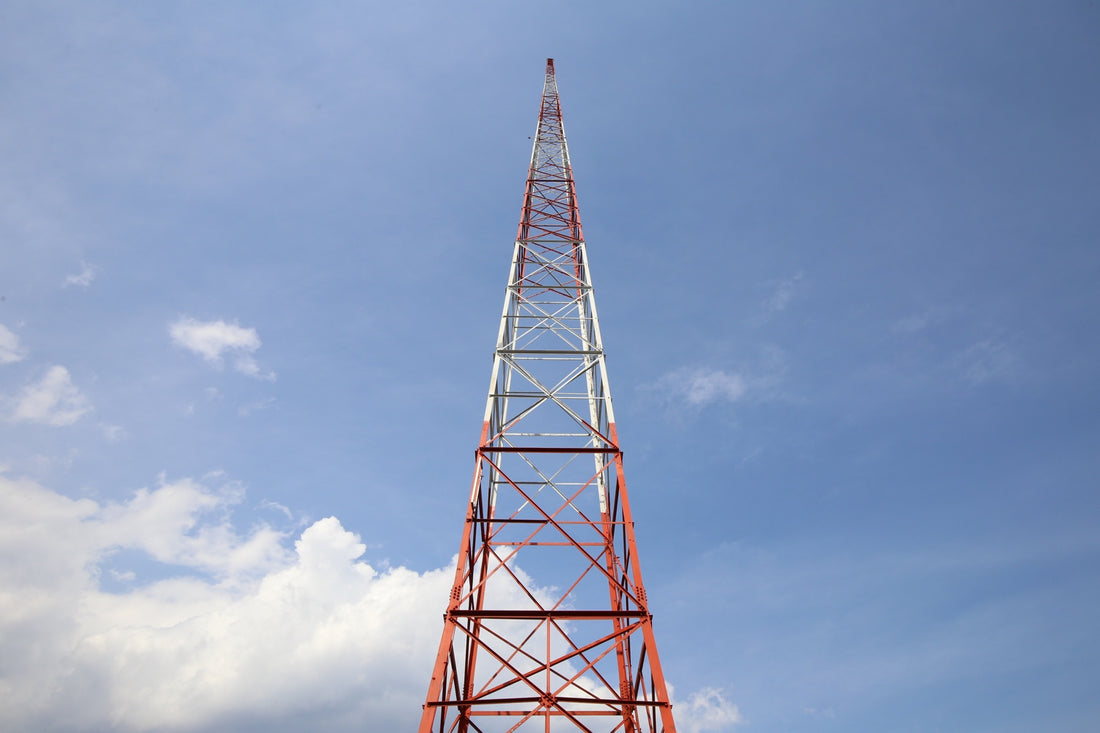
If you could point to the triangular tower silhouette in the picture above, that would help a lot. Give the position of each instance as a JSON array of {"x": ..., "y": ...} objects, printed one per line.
[{"x": 548, "y": 627}]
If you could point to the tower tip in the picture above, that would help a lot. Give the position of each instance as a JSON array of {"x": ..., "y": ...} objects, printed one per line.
[{"x": 549, "y": 66}]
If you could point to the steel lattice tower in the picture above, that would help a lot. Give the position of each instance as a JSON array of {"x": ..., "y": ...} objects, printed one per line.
[{"x": 547, "y": 627}]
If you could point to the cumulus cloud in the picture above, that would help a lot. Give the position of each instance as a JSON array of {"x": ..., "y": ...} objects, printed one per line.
[
  {"x": 10, "y": 348},
  {"x": 82, "y": 279},
  {"x": 52, "y": 400},
  {"x": 234, "y": 632},
  {"x": 212, "y": 340},
  {"x": 707, "y": 711}
]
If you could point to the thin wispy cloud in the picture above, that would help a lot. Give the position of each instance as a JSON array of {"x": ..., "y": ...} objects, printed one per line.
[
  {"x": 988, "y": 360},
  {"x": 918, "y": 322},
  {"x": 83, "y": 278},
  {"x": 783, "y": 293},
  {"x": 112, "y": 433},
  {"x": 698, "y": 387},
  {"x": 276, "y": 506},
  {"x": 246, "y": 410},
  {"x": 835, "y": 600},
  {"x": 701, "y": 386},
  {"x": 216, "y": 341},
  {"x": 965, "y": 349},
  {"x": 779, "y": 296},
  {"x": 52, "y": 400},
  {"x": 10, "y": 349}
]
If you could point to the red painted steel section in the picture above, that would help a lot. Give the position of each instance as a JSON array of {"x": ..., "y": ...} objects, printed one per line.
[{"x": 547, "y": 626}]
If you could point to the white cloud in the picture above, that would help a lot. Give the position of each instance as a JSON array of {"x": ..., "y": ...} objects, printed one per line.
[
  {"x": 214, "y": 339},
  {"x": 707, "y": 711},
  {"x": 123, "y": 576},
  {"x": 702, "y": 387},
  {"x": 276, "y": 506},
  {"x": 699, "y": 387},
  {"x": 211, "y": 338},
  {"x": 758, "y": 380},
  {"x": 52, "y": 400},
  {"x": 83, "y": 278},
  {"x": 244, "y": 632},
  {"x": 10, "y": 348},
  {"x": 233, "y": 632}
]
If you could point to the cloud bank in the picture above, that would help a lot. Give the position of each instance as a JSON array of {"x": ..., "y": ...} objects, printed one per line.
[
  {"x": 241, "y": 633},
  {"x": 157, "y": 614}
]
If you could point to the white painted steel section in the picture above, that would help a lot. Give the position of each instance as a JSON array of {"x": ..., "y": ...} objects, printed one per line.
[{"x": 549, "y": 335}]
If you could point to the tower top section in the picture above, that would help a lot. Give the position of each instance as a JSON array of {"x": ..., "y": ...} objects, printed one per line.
[{"x": 550, "y": 202}]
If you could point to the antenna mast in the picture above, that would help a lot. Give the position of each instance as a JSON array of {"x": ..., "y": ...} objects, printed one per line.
[{"x": 548, "y": 627}]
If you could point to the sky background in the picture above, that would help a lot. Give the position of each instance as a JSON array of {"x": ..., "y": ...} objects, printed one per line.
[{"x": 252, "y": 257}]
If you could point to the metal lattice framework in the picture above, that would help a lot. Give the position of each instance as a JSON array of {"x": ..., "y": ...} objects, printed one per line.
[{"x": 547, "y": 627}]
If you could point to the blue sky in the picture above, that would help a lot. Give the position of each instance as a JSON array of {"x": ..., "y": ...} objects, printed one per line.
[{"x": 845, "y": 256}]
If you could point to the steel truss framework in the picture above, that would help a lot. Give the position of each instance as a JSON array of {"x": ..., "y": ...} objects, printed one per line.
[{"x": 547, "y": 627}]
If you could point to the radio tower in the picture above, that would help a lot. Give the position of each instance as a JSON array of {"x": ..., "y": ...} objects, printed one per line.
[{"x": 548, "y": 627}]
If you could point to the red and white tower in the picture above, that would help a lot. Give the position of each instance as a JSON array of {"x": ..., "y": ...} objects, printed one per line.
[{"x": 548, "y": 627}]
